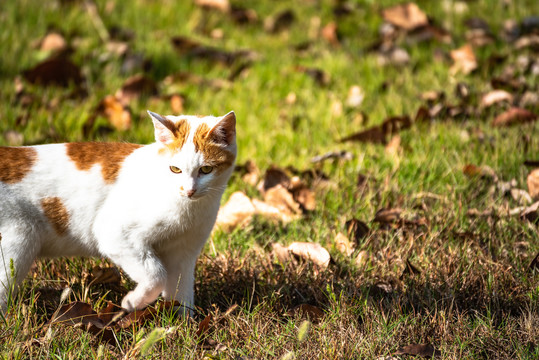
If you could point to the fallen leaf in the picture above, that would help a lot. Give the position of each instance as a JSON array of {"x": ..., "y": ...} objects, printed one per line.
[
  {"x": 116, "y": 113},
  {"x": 521, "y": 196},
  {"x": 494, "y": 97},
  {"x": 135, "y": 87},
  {"x": 139, "y": 317},
  {"x": 177, "y": 103},
  {"x": 56, "y": 71},
  {"x": 407, "y": 16},
  {"x": 280, "y": 198},
  {"x": 423, "y": 350},
  {"x": 108, "y": 275},
  {"x": 531, "y": 213},
  {"x": 237, "y": 212},
  {"x": 378, "y": 134},
  {"x": 314, "y": 313},
  {"x": 242, "y": 15},
  {"x": 280, "y": 21},
  {"x": 275, "y": 176},
  {"x": 410, "y": 268},
  {"x": 204, "y": 325},
  {"x": 311, "y": 251},
  {"x": 533, "y": 183},
  {"x": 187, "y": 47},
  {"x": 464, "y": 60},
  {"x": 387, "y": 216},
  {"x": 484, "y": 171},
  {"x": 514, "y": 116},
  {"x": 251, "y": 173},
  {"x": 357, "y": 230},
  {"x": 75, "y": 313},
  {"x": 393, "y": 148},
  {"x": 53, "y": 42},
  {"x": 281, "y": 253},
  {"x": 110, "y": 313},
  {"x": 221, "y": 5},
  {"x": 329, "y": 33},
  {"x": 343, "y": 244},
  {"x": 361, "y": 258}
]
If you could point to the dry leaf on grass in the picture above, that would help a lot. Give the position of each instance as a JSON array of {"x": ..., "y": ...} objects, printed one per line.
[
  {"x": 534, "y": 264},
  {"x": 407, "y": 16},
  {"x": 533, "y": 183},
  {"x": 423, "y": 350},
  {"x": 484, "y": 171},
  {"x": 53, "y": 42},
  {"x": 280, "y": 198},
  {"x": 464, "y": 60},
  {"x": 135, "y": 87},
  {"x": 344, "y": 245},
  {"x": 56, "y": 71},
  {"x": 514, "y": 116},
  {"x": 494, "y": 97},
  {"x": 221, "y": 5},
  {"x": 204, "y": 325},
  {"x": 357, "y": 230},
  {"x": 238, "y": 211},
  {"x": 387, "y": 216},
  {"x": 311, "y": 251},
  {"x": 279, "y": 22},
  {"x": 378, "y": 134},
  {"x": 107, "y": 275},
  {"x": 115, "y": 112}
]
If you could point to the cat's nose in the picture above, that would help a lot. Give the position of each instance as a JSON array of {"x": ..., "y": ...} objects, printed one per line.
[{"x": 191, "y": 192}]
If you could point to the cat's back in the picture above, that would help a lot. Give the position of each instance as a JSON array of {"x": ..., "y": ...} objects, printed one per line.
[{"x": 75, "y": 173}]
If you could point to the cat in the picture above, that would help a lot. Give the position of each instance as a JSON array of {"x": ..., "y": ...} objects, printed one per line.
[{"x": 147, "y": 208}]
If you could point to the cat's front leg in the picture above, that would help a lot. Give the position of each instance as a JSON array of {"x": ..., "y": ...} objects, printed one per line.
[
  {"x": 144, "y": 267},
  {"x": 180, "y": 283}
]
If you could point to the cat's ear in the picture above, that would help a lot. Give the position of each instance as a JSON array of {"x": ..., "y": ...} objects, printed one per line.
[
  {"x": 164, "y": 128},
  {"x": 224, "y": 131}
]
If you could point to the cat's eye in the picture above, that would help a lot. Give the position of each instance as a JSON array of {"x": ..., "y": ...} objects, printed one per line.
[
  {"x": 206, "y": 169},
  {"x": 175, "y": 169}
]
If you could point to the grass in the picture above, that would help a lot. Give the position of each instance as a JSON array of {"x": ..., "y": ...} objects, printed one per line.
[{"x": 474, "y": 296}]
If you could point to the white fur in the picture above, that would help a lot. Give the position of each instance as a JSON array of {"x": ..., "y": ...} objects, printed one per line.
[{"x": 143, "y": 221}]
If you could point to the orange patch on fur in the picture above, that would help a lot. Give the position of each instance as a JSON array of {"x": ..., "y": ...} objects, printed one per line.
[
  {"x": 109, "y": 155},
  {"x": 15, "y": 163},
  {"x": 212, "y": 148},
  {"x": 180, "y": 130},
  {"x": 56, "y": 212}
]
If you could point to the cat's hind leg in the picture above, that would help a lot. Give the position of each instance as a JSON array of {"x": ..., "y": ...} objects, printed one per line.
[{"x": 19, "y": 246}]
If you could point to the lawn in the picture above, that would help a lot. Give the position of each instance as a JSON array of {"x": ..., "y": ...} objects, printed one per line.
[{"x": 404, "y": 139}]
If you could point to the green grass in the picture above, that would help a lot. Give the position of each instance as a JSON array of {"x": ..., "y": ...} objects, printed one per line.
[{"x": 474, "y": 296}]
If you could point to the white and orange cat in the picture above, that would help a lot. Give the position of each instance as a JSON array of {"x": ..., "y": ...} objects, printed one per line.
[{"x": 149, "y": 209}]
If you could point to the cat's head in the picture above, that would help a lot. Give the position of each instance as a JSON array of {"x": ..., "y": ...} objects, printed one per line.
[{"x": 199, "y": 151}]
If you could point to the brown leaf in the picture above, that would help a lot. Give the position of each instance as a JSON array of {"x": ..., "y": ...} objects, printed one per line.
[
  {"x": 311, "y": 251},
  {"x": 387, "y": 216},
  {"x": 484, "y": 171},
  {"x": 332, "y": 155},
  {"x": 533, "y": 183},
  {"x": 514, "y": 116},
  {"x": 423, "y": 350},
  {"x": 77, "y": 312},
  {"x": 407, "y": 16},
  {"x": 282, "y": 199},
  {"x": 55, "y": 71},
  {"x": 137, "y": 317},
  {"x": 135, "y": 87},
  {"x": 204, "y": 325},
  {"x": 242, "y": 16},
  {"x": 464, "y": 60},
  {"x": 305, "y": 197},
  {"x": 177, "y": 103},
  {"x": 343, "y": 244},
  {"x": 221, "y": 5},
  {"x": 378, "y": 134},
  {"x": 53, "y": 42},
  {"x": 281, "y": 253},
  {"x": 116, "y": 113},
  {"x": 329, "y": 33},
  {"x": 280, "y": 21},
  {"x": 357, "y": 230},
  {"x": 187, "y": 47},
  {"x": 238, "y": 211},
  {"x": 108, "y": 275},
  {"x": 251, "y": 173},
  {"x": 393, "y": 148},
  {"x": 109, "y": 313},
  {"x": 411, "y": 269},
  {"x": 531, "y": 213},
  {"x": 275, "y": 176},
  {"x": 314, "y": 313},
  {"x": 494, "y": 97}
]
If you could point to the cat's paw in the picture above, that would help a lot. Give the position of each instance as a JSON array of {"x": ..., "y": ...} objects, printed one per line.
[{"x": 131, "y": 302}]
